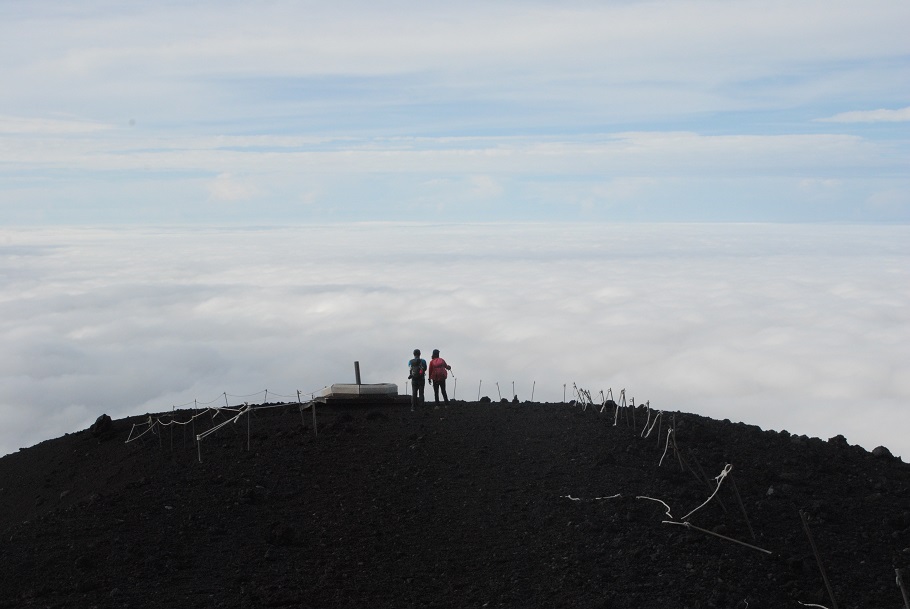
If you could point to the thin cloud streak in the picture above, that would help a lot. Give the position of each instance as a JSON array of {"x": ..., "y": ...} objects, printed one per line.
[
  {"x": 882, "y": 115},
  {"x": 803, "y": 328},
  {"x": 361, "y": 110}
]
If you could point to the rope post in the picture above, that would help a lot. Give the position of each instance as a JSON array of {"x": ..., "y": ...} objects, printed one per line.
[
  {"x": 226, "y": 405},
  {"x": 199, "y": 448},
  {"x": 478, "y": 389},
  {"x": 742, "y": 507},
  {"x": 563, "y": 393},
  {"x": 248, "y": 417},
  {"x": 300, "y": 408},
  {"x": 533, "y": 386},
  {"x": 676, "y": 447},
  {"x": 901, "y": 575},
  {"x": 357, "y": 372},
  {"x": 818, "y": 558}
]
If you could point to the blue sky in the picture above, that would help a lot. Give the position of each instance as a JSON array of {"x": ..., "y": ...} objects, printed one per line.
[{"x": 229, "y": 112}]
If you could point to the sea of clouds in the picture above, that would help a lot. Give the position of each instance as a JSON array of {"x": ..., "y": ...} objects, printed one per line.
[{"x": 797, "y": 327}]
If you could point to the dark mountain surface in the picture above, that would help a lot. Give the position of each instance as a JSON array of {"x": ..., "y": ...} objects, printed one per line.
[{"x": 475, "y": 505}]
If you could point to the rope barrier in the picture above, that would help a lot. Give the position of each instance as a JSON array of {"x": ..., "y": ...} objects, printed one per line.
[
  {"x": 720, "y": 478},
  {"x": 197, "y": 402},
  {"x": 131, "y": 438},
  {"x": 669, "y": 432},
  {"x": 289, "y": 397},
  {"x": 656, "y": 418},
  {"x": 162, "y": 421},
  {"x": 669, "y": 515},
  {"x": 248, "y": 395},
  {"x": 585, "y": 398},
  {"x": 205, "y": 434},
  {"x": 188, "y": 421},
  {"x": 571, "y": 498}
]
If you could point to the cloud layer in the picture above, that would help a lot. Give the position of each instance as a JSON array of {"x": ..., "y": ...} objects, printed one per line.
[{"x": 803, "y": 328}]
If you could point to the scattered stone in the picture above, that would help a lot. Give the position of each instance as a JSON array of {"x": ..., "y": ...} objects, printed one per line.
[
  {"x": 880, "y": 452},
  {"x": 838, "y": 440},
  {"x": 102, "y": 427}
]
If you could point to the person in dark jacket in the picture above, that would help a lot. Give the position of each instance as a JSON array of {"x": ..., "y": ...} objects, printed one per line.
[{"x": 417, "y": 372}]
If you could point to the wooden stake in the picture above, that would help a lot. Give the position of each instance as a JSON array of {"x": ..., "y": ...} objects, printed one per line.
[
  {"x": 901, "y": 575},
  {"x": 818, "y": 558},
  {"x": 743, "y": 508}
]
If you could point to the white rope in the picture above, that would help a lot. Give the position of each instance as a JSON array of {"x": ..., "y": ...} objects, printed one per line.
[
  {"x": 289, "y": 397},
  {"x": 720, "y": 478},
  {"x": 151, "y": 425},
  {"x": 811, "y": 605},
  {"x": 210, "y": 401},
  {"x": 669, "y": 431},
  {"x": 667, "y": 507},
  {"x": 267, "y": 406},
  {"x": 205, "y": 434},
  {"x": 188, "y": 421},
  {"x": 653, "y": 424},
  {"x": 571, "y": 498},
  {"x": 249, "y": 395},
  {"x": 577, "y": 394}
]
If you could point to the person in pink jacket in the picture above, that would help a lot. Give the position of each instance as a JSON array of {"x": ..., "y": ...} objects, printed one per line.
[{"x": 437, "y": 374}]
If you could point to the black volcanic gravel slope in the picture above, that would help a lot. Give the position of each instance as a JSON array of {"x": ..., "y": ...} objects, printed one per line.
[{"x": 476, "y": 505}]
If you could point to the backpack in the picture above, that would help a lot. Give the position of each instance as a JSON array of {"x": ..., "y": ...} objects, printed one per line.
[{"x": 417, "y": 369}]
